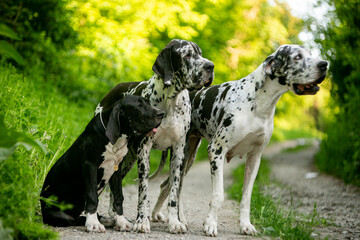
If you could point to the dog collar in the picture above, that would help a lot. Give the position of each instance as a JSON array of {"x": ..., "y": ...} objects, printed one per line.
[{"x": 102, "y": 122}]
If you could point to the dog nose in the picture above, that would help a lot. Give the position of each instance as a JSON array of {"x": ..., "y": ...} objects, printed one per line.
[
  {"x": 160, "y": 114},
  {"x": 209, "y": 66},
  {"x": 322, "y": 65}
]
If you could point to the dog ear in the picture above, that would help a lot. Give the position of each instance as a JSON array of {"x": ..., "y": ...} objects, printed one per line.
[
  {"x": 268, "y": 65},
  {"x": 113, "y": 128},
  {"x": 168, "y": 62}
]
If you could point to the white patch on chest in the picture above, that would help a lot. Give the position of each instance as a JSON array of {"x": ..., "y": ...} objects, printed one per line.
[
  {"x": 113, "y": 156},
  {"x": 176, "y": 123}
]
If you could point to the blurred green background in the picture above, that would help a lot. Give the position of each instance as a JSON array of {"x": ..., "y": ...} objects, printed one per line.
[{"x": 60, "y": 57}]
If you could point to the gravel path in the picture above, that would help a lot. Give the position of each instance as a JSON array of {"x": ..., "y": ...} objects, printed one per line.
[
  {"x": 302, "y": 184},
  {"x": 334, "y": 200}
]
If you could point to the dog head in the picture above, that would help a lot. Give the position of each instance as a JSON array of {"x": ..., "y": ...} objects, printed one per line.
[
  {"x": 293, "y": 66},
  {"x": 180, "y": 63},
  {"x": 133, "y": 115}
]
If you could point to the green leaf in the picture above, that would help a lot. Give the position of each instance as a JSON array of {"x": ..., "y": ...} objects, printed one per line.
[
  {"x": 8, "y": 51},
  {"x": 10, "y": 140},
  {"x": 8, "y": 32}
]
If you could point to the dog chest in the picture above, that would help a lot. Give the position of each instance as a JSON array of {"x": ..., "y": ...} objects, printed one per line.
[
  {"x": 113, "y": 156},
  {"x": 176, "y": 123},
  {"x": 167, "y": 136}
]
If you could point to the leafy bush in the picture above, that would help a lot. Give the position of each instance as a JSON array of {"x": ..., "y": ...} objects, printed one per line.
[
  {"x": 40, "y": 112},
  {"x": 340, "y": 150},
  {"x": 340, "y": 42}
]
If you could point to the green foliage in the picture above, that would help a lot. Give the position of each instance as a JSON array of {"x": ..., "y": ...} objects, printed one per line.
[
  {"x": 10, "y": 140},
  {"x": 266, "y": 215},
  {"x": 8, "y": 32},
  {"x": 7, "y": 49},
  {"x": 253, "y": 30},
  {"x": 40, "y": 112},
  {"x": 340, "y": 43},
  {"x": 5, "y": 233},
  {"x": 340, "y": 149}
]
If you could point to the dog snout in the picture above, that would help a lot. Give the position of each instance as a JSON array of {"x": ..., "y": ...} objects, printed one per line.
[
  {"x": 160, "y": 114},
  {"x": 322, "y": 65},
  {"x": 209, "y": 66}
]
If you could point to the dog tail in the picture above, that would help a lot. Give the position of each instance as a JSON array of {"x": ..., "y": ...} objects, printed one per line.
[{"x": 164, "y": 156}]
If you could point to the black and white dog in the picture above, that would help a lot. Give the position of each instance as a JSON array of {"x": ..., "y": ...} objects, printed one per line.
[
  {"x": 179, "y": 67},
  {"x": 80, "y": 175},
  {"x": 237, "y": 118}
]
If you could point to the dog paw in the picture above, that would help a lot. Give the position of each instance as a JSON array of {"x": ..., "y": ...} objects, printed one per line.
[
  {"x": 246, "y": 228},
  {"x": 142, "y": 225},
  {"x": 92, "y": 224},
  {"x": 183, "y": 220},
  {"x": 122, "y": 224},
  {"x": 158, "y": 217},
  {"x": 210, "y": 227},
  {"x": 95, "y": 227},
  {"x": 175, "y": 226}
]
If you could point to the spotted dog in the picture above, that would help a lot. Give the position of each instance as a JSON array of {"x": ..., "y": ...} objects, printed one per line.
[
  {"x": 179, "y": 67},
  {"x": 80, "y": 175},
  {"x": 237, "y": 119}
]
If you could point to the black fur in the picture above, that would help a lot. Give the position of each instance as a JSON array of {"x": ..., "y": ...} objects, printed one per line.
[{"x": 76, "y": 177}]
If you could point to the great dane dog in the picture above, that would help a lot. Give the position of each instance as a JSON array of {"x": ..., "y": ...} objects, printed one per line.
[
  {"x": 179, "y": 67},
  {"x": 237, "y": 119},
  {"x": 81, "y": 174}
]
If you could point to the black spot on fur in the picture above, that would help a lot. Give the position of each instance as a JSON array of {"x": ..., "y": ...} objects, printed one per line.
[
  {"x": 209, "y": 100},
  {"x": 101, "y": 184},
  {"x": 282, "y": 80},
  {"x": 223, "y": 94},
  {"x": 295, "y": 72},
  {"x": 213, "y": 167},
  {"x": 221, "y": 114},
  {"x": 218, "y": 152},
  {"x": 227, "y": 122},
  {"x": 195, "y": 98},
  {"x": 203, "y": 125},
  {"x": 215, "y": 110},
  {"x": 173, "y": 204}
]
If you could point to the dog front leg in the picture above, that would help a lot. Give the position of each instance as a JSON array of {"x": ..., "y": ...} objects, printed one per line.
[
  {"x": 142, "y": 223},
  {"x": 121, "y": 223},
  {"x": 177, "y": 165},
  {"x": 92, "y": 223},
  {"x": 191, "y": 149},
  {"x": 251, "y": 169},
  {"x": 216, "y": 158}
]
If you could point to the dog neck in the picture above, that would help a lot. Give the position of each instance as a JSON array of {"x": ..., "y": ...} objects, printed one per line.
[
  {"x": 267, "y": 92},
  {"x": 163, "y": 96}
]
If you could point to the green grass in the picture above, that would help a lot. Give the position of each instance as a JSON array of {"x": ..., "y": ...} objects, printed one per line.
[
  {"x": 266, "y": 215},
  {"x": 35, "y": 108}
]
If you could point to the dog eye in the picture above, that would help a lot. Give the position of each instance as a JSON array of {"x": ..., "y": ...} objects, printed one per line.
[{"x": 298, "y": 57}]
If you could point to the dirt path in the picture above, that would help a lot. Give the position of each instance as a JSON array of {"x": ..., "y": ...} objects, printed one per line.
[
  {"x": 332, "y": 198},
  {"x": 305, "y": 187},
  {"x": 196, "y": 196}
]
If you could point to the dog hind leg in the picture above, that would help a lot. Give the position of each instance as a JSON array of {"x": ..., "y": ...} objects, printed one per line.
[
  {"x": 57, "y": 218},
  {"x": 156, "y": 215}
]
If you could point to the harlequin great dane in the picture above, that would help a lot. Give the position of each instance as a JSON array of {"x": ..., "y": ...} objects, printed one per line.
[
  {"x": 237, "y": 119},
  {"x": 179, "y": 67},
  {"x": 80, "y": 175}
]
